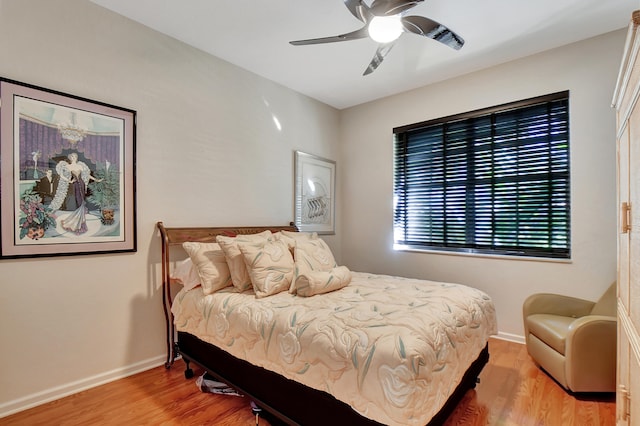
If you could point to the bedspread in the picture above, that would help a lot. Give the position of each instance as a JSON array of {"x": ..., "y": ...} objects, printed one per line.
[{"x": 392, "y": 348}]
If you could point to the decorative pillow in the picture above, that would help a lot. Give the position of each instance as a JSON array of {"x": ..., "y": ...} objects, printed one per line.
[
  {"x": 291, "y": 237},
  {"x": 270, "y": 266},
  {"x": 239, "y": 274},
  {"x": 186, "y": 274},
  {"x": 210, "y": 264},
  {"x": 318, "y": 282},
  {"x": 312, "y": 255}
]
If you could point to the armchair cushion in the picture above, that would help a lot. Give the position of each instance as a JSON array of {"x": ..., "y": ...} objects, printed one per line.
[{"x": 551, "y": 329}]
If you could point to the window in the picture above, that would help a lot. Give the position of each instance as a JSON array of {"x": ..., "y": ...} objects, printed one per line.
[{"x": 491, "y": 181}]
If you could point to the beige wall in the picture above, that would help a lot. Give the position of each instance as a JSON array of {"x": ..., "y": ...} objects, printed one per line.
[
  {"x": 209, "y": 152},
  {"x": 589, "y": 70}
]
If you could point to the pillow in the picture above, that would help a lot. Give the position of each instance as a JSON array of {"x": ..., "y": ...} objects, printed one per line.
[
  {"x": 235, "y": 261},
  {"x": 186, "y": 274},
  {"x": 312, "y": 255},
  {"x": 270, "y": 266},
  {"x": 291, "y": 237},
  {"x": 318, "y": 282},
  {"x": 211, "y": 265}
]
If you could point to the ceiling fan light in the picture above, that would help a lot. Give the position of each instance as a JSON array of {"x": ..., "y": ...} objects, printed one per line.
[{"x": 385, "y": 29}]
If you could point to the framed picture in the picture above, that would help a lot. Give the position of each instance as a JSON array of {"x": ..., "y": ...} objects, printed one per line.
[
  {"x": 315, "y": 198},
  {"x": 67, "y": 174}
]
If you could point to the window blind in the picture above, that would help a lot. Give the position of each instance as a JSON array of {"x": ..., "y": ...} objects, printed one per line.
[{"x": 490, "y": 181}]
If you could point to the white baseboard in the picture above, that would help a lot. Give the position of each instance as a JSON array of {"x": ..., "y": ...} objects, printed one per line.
[
  {"x": 58, "y": 392},
  {"x": 510, "y": 337}
]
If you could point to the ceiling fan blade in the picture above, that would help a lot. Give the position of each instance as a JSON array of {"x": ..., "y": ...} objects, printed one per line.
[
  {"x": 359, "y": 9},
  {"x": 392, "y": 7},
  {"x": 432, "y": 29},
  {"x": 383, "y": 50},
  {"x": 354, "y": 35}
]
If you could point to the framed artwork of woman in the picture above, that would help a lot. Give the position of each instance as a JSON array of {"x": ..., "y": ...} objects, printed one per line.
[{"x": 68, "y": 184}]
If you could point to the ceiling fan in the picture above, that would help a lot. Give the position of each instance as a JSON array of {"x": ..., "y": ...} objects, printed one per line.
[{"x": 384, "y": 21}]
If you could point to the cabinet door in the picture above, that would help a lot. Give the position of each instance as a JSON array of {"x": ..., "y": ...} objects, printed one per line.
[
  {"x": 629, "y": 286},
  {"x": 623, "y": 271},
  {"x": 623, "y": 200},
  {"x": 631, "y": 298},
  {"x": 628, "y": 147},
  {"x": 623, "y": 378},
  {"x": 634, "y": 407}
]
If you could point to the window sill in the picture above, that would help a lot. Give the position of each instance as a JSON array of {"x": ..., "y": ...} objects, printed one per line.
[{"x": 398, "y": 247}]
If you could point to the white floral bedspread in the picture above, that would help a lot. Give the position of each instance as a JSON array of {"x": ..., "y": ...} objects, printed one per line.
[{"x": 392, "y": 348}]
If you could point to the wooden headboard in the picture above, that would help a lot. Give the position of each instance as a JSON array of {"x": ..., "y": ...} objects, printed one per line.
[
  {"x": 177, "y": 236},
  {"x": 172, "y": 237}
]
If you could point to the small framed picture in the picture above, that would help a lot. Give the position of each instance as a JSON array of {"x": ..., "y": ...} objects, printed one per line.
[
  {"x": 315, "y": 199},
  {"x": 67, "y": 174}
]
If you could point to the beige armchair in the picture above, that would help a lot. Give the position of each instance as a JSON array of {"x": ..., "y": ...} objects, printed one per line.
[{"x": 574, "y": 340}]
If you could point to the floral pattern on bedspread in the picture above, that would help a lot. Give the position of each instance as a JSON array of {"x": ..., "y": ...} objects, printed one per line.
[{"x": 392, "y": 348}]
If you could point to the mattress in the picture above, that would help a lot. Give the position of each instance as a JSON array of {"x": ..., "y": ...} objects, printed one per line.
[{"x": 392, "y": 348}]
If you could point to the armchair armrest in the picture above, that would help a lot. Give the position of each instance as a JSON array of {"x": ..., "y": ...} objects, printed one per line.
[
  {"x": 556, "y": 304},
  {"x": 591, "y": 354},
  {"x": 589, "y": 327}
]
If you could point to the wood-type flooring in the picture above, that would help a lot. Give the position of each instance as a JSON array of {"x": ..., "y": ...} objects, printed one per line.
[{"x": 512, "y": 391}]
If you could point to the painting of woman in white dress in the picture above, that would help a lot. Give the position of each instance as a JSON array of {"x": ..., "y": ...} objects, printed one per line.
[
  {"x": 74, "y": 179},
  {"x": 68, "y": 174}
]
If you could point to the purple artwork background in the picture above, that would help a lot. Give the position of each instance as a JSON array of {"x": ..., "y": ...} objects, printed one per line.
[{"x": 47, "y": 139}]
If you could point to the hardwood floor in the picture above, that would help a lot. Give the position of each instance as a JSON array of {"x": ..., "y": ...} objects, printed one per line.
[{"x": 512, "y": 391}]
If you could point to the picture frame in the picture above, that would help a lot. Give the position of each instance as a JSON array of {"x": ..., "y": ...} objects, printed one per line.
[
  {"x": 67, "y": 174},
  {"x": 315, "y": 198}
]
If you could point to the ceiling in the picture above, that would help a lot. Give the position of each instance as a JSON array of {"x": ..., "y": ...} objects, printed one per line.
[{"x": 255, "y": 36}]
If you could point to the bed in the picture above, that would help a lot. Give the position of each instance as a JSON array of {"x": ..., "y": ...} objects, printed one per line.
[{"x": 374, "y": 350}]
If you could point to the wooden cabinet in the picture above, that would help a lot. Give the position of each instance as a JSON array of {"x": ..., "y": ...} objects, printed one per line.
[{"x": 628, "y": 157}]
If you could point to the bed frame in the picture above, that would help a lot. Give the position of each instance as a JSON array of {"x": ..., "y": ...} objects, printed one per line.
[{"x": 289, "y": 401}]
